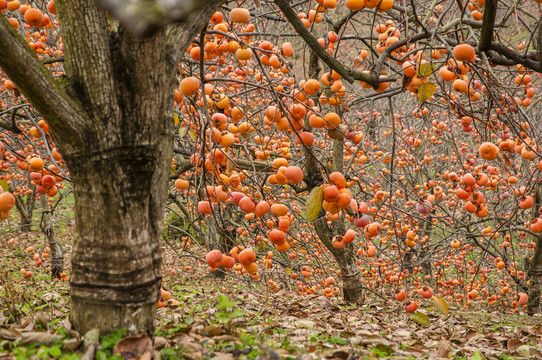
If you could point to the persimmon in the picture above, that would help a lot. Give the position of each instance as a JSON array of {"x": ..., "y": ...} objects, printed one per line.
[
  {"x": 385, "y": 5},
  {"x": 446, "y": 74},
  {"x": 354, "y": 5},
  {"x": 409, "y": 68},
  {"x": 349, "y": 236},
  {"x": 251, "y": 268},
  {"x": 36, "y": 164},
  {"x": 239, "y": 15},
  {"x": 488, "y": 151},
  {"x": 217, "y": 18},
  {"x": 333, "y": 120},
  {"x": 277, "y": 237},
  {"x": 525, "y": 203},
  {"x": 189, "y": 86},
  {"x": 331, "y": 193},
  {"x": 247, "y": 256},
  {"x": 460, "y": 85},
  {"x": 7, "y": 201},
  {"x": 228, "y": 262},
  {"x": 338, "y": 179},
  {"x": 247, "y": 205},
  {"x": 34, "y": 17},
  {"x": 294, "y": 174},
  {"x": 14, "y": 22},
  {"x": 205, "y": 207},
  {"x": 311, "y": 87},
  {"x": 464, "y": 52},
  {"x": 279, "y": 209},
  {"x": 317, "y": 122},
  {"x": 214, "y": 259},
  {"x": 13, "y": 5},
  {"x": 411, "y": 307},
  {"x": 261, "y": 208}
]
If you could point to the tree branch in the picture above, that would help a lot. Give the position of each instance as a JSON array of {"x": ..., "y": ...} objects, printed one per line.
[
  {"x": 348, "y": 74},
  {"x": 488, "y": 24},
  {"x": 36, "y": 82}
]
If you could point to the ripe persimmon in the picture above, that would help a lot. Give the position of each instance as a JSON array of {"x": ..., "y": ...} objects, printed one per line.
[
  {"x": 214, "y": 259},
  {"x": 488, "y": 151},
  {"x": 34, "y": 17},
  {"x": 464, "y": 52},
  {"x": 189, "y": 86},
  {"x": 247, "y": 256},
  {"x": 7, "y": 201},
  {"x": 239, "y": 15}
]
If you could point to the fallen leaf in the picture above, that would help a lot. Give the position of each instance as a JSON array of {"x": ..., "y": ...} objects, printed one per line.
[
  {"x": 131, "y": 347},
  {"x": 305, "y": 324},
  {"x": 71, "y": 345},
  {"x": 9, "y": 333},
  {"x": 39, "y": 337},
  {"x": 524, "y": 350}
]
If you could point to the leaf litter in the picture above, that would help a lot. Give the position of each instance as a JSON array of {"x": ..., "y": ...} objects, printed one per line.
[{"x": 225, "y": 319}]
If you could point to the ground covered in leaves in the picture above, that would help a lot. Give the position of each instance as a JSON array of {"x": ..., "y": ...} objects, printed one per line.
[{"x": 229, "y": 319}]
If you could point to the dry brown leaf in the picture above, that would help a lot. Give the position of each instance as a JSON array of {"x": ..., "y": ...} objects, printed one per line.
[
  {"x": 9, "y": 333},
  {"x": 135, "y": 347},
  {"x": 513, "y": 344},
  {"x": 359, "y": 64},
  {"x": 39, "y": 337}
]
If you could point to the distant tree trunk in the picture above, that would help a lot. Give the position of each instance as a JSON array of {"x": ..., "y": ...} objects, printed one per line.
[
  {"x": 111, "y": 117},
  {"x": 25, "y": 208},
  {"x": 535, "y": 266},
  {"x": 57, "y": 253},
  {"x": 215, "y": 241},
  {"x": 346, "y": 257}
]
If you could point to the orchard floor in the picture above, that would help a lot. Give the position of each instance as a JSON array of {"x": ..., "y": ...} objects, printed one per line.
[{"x": 230, "y": 319}]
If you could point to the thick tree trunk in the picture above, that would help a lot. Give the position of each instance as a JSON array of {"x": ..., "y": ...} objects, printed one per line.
[
  {"x": 345, "y": 258},
  {"x": 119, "y": 198},
  {"x": 215, "y": 241}
]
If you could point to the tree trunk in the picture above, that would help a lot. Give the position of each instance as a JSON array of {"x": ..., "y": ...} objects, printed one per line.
[
  {"x": 346, "y": 257},
  {"x": 57, "y": 253},
  {"x": 346, "y": 260},
  {"x": 119, "y": 200},
  {"x": 25, "y": 210},
  {"x": 215, "y": 241},
  {"x": 535, "y": 265}
]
